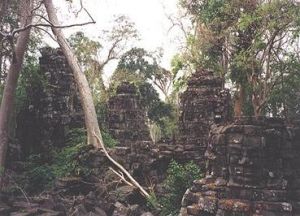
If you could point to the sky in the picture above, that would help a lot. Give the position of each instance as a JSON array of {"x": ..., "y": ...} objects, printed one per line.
[{"x": 150, "y": 17}]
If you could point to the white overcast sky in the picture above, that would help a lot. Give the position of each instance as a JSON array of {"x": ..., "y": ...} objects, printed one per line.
[{"x": 148, "y": 15}]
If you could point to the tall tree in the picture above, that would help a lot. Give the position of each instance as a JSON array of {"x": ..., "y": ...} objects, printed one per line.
[
  {"x": 8, "y": 97},
  {"x": 94, "y": 55},
  {"x": 9, "y": 17},
  {"x": 144, "y": 64},
  {"x": 80, "y": 79},
  {"x": 246, "y": 40}
]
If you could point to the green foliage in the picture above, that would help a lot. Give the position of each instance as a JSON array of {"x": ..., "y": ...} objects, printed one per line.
[
  {"x": 30, "y": 78},
  {"x": 140, "y": 65},
  {"x": 111, "y": 44},
  {"x": 163, "y": 115},
  {"x": 159, "y": 112},
  {"x": 284, "y": 99},
  {"x": 149, "y": 96},
  {"x": 247, "y": 40},
  {"x": 140, "y": 62},
  {"x": 76, "y": 136},
  {"x": 108, "y": 140},
  {"x": 40, "y": 174},
  {"x": 141, "y": 68},
  {"x": 65, "y": 162},
  {"x": 37, "y": 176},
  {"x": 85, "y": 49},
  {"x": 153, "y": 201},
  {"x": 179, "y": 179}
]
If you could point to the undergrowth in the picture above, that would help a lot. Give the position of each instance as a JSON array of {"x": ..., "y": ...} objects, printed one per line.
[
  {"x": 179, "y": 179},
  {"x": 40, "y": 175}
]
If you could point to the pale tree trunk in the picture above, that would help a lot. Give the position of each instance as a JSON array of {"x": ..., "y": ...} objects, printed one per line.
[
  {"x": 7, "y": 104},
  {"x": 239, "y": 101},
  {"x": 94, "y": 135},
  {"x": 91, "y": 122}
]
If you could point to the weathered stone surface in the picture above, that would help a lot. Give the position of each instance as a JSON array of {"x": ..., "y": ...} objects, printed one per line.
[
  {"x": 127, "y": 124},
  {"x": 204, "y": 102},
  {"x": 53, "y": 108},
  {"x": 249, "y": 170}
]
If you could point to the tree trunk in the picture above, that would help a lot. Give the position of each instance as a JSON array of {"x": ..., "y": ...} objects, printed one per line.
[
  {"x": 87, "y": 103},
  {"x": 239, "y": 102},
  {"x": 7, "y": 104}
]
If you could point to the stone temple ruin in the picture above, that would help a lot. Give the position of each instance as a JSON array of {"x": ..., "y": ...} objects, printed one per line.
[
  {"x": 127, "y": 124},
  {"x": 251, "y": 170},
  {"x": 53, "y": 107},
  {"x": 251, "y": 165},
  {"x": 204, "y": 102}
]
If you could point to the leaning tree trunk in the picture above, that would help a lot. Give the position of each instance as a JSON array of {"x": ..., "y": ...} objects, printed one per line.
[
  {"x": 7, "y": 104},
  {"x": 80, "y": 78}
]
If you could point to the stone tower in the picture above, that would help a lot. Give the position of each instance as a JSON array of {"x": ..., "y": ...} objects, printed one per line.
[
  {"x": 127, "y": 124},
  {"x": 251, "y": 171},
  {"x": 204, "y": 102},
  {"x": 53, "y": 106}
]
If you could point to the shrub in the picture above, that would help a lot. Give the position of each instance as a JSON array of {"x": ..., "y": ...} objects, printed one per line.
[
  {"x": 65, "y": 162},
  {"x": 179, "y": 179},
  {"x": 108, "y": 140},
  {"x": 40, "y": 175}
]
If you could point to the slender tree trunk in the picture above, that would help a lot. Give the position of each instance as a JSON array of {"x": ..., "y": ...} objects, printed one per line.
[
  {"x": 239, "y": 102},
  {"x": 7, "y": 104},
  {"x": 91, "y": 121}
]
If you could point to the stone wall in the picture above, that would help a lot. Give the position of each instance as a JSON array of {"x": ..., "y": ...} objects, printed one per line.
[
  {"x": 204, "y": 102},
  {"x": 251, "y": 170},
  {"x": 127, "y": 124},
  {"x": 53, "y": 106}
]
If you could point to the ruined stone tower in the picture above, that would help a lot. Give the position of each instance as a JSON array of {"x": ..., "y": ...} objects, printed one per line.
[
  {"x": 251, "y": 171},
  {"x": 204, "y": 102},
  {"x": 54, "y": 105},
  {"x": 126, "y": 117},
  {"x": 127, "y": 124}
]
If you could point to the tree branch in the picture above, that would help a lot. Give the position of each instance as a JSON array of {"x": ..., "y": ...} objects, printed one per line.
[
  {"x": 133, "y": 181},
  {"x": 121, "y": 176},
  {"x": 110, "y": 54},
  {"x": 49, "y": 24},
  {"x": 48, "y": 33}
]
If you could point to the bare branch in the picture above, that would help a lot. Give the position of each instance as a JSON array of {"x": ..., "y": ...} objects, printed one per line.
[
  {"x": 121, "y": 177},
  {"x": 49, "y": 24},
  {"x": 43, "y": 18},
  {"x": 80, "y": 9},
  {"x": 90, "y": 16},
  {"x": 48, "y": 33},
  {"x": 134, "y": 182},
  {"x": 37, "y": 7},
  {"x": 110, "y": 55}
]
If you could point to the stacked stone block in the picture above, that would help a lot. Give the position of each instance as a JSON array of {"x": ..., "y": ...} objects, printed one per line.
[
  {"x": 251, "y": 171},
  {"x": 204, "y": 102},
  {"x": 127, "y": 124},
  {"x": 54, "y": 105}
]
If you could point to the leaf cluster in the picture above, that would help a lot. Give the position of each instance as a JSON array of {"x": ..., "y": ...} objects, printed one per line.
[{"x": 179, "y": 179}]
